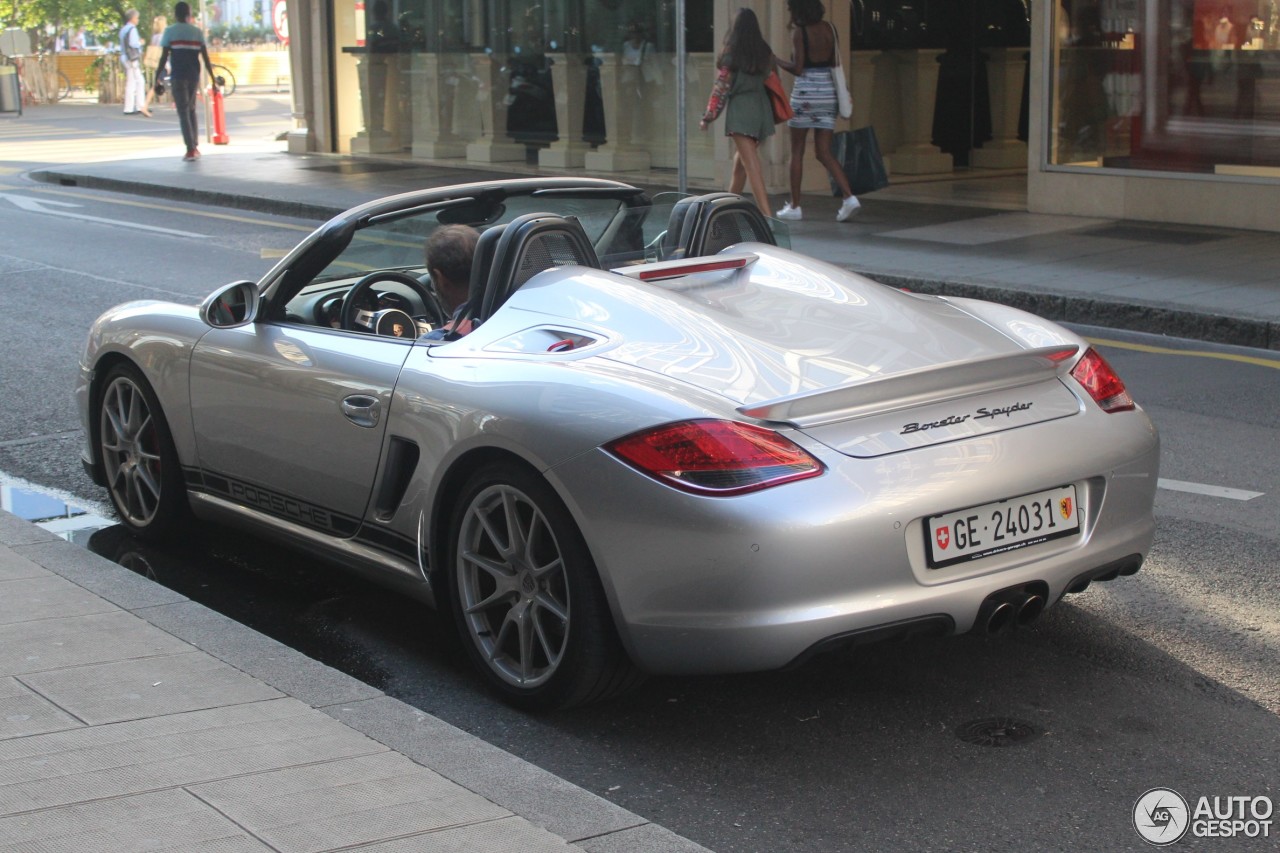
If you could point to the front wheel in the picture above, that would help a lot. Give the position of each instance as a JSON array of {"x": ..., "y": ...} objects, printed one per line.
[
  {"x": 526, "y": 596},
  {"x": 138, "y": 457}
]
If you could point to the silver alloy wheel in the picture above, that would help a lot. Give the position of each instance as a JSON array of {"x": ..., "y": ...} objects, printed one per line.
[
  {"x": 130, "y": 452},
  {"x": 512, "y": 586}
]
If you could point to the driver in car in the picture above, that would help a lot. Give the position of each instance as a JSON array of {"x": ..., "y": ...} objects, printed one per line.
[{"x": 449, "y": 252}]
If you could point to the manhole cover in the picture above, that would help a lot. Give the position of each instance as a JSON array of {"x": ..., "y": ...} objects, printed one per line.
[{"x": 997, "y": 731}]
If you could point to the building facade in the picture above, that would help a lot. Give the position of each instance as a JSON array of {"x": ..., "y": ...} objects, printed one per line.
[{"x": 1163, "y": 110}]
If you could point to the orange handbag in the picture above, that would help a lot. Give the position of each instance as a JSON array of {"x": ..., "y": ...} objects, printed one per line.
[{"x": 778, "y": 98}]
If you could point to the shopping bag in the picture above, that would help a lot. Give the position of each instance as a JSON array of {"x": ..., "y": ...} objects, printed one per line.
[
  {"x": 778, "y": 98},
  {"x": 858, "y": 153}
]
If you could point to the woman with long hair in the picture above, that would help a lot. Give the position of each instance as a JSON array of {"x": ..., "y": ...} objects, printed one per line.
[
  {"x": 813, "y": 100},
  {"x": 744, "y": 63}
]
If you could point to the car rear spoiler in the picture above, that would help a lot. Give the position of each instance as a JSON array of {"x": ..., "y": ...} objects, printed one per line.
[{"x": 915, "y": 387}]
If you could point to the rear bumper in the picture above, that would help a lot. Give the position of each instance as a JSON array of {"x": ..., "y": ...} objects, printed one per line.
[{"x": 759, "y": 581}]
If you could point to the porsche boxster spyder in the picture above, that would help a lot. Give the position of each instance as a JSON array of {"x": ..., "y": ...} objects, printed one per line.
[{"x": 669, "y": 444}]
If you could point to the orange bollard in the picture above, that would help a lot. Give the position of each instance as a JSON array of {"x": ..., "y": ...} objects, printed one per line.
[{"x": 220, "y": 136}]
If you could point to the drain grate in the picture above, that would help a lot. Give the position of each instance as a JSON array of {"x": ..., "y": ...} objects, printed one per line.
[
  {"x": 997, "y": 731},
  {"x": 1152, "y": 234}
]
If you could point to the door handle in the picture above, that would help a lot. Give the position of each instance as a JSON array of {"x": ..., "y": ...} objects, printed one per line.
[{"x": 362, "y": 410}]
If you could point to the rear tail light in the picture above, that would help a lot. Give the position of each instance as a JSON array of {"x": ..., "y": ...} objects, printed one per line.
[
  {"x": 1102, "y": 383},
  {"x": 711, "y": 457}
]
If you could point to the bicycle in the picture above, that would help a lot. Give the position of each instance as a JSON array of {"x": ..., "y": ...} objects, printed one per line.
[
  {"x": 227, "y": 80},
  {"x": 44, "y": 83}
]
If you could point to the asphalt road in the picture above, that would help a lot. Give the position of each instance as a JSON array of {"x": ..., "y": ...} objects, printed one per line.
[{"x": 1169, "y": 678}]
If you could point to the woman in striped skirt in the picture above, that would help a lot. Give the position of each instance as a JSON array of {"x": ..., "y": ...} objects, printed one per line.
[{"x": 813, "y": 99}]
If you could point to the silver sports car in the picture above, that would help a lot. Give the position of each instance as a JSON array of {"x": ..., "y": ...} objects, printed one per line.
[{"x": 668, "y": 445}]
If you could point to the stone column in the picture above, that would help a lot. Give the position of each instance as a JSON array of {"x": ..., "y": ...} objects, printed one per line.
[
  {"x": 1005, "y": 69},
  {"x": 917, "y": 91},
  {"x": 569, "y": 83},
  {"x": 435, "y": 85},
  {"x": 493, "y": 146},
  {"x": 620, "y": 153},
  {"x": 379, "y": 76}
]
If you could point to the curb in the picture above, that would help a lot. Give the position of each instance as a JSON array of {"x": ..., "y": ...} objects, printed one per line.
[
  {"x": 237, "y": 201},
  {"x": 1135, "y": 316}
]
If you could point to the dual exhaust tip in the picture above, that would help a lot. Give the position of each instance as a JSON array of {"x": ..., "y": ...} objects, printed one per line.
[{"x": 1009, "y": 609}]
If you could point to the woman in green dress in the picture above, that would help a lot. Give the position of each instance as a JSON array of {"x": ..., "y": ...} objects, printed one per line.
[{"x": 744, "y": 63}]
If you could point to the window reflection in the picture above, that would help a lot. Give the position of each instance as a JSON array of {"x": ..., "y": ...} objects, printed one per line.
[{"x": 1167, "y": 85}]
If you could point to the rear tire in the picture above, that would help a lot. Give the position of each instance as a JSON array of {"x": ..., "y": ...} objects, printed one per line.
[
  {"x": 526, "y": 595},
  {"x": 139, "y": 461}
]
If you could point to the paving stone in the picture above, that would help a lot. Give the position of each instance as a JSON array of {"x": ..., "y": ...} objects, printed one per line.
[
  {"x": 149, "y": 687},
  {"x": 27, "y": 647},
  {"x": 14, "y": 566},
  {"x": 284, "y": 668},
  {"x": 49, "y": 597},
  {"x": 161, "y": 821},
  {"x": 343, "y": 803},
  {"x": 181, "y": 749},
  {"x": 24, "y": 712},
  {"x": 508, "y": 835},
  {"x": 526, "y": 789}
]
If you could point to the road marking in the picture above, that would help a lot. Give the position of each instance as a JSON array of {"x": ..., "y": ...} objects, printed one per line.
[
  {"x": 35, "y": 205},
  {"x": 1224, "y": 356},
  {"x": 1211, "y": 491},
  {"x": 229, "y": 217}
]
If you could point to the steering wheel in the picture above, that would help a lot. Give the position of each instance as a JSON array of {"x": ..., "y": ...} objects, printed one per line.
[{"x": 350, "y": 305}]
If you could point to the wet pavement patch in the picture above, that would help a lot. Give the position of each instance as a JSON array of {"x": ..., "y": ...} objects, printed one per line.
[
  {"x": 1152, "y": 234},
  {"x": 997, "y": 731},
  {"x": 360, "y": 168}
]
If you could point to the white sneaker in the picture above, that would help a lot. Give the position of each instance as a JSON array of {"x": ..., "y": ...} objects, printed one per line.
[
  {"x": 789, "y": 212},
  {"x": 850, "y": 206}
]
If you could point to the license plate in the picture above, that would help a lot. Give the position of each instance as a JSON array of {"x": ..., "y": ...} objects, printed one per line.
[{"x": 981, "y": 531}]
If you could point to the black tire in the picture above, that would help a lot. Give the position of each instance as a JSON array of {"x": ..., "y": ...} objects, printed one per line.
[
  {"x": 63, "y": 84},
  {"x": 228, "y": 80},
  {"x": 139, "y": 461},
  {"x": 530, "y": 608}
]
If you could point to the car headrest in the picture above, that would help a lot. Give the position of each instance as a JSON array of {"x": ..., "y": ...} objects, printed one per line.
[
  {"x": 530, "y": 244},
  {"x": 706, "y": 224}
]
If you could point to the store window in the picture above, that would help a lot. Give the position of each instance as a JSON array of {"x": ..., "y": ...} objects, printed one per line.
[
  {"x": 1187, "y": 86},
  {"x": 431, "y": 77}
]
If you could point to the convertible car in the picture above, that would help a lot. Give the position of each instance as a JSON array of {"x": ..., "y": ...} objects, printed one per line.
[{"x": 670, "y": 444}]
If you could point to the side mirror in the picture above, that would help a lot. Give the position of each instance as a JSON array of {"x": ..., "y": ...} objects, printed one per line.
[{"x": 232, "y": 305}]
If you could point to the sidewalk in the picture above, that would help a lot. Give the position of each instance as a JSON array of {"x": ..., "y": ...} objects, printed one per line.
[
  {"x": 134, "y": 719},
  {"x": 969, "y": 237}
]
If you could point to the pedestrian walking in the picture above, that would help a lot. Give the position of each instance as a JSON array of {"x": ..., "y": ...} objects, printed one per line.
[
  {"x": 135, "y": 86},
  {"x": 813, "y": 100},
  {"x": 745, "y": 61},
  {"x": 151, "y": 58},
  {"x": 182, "y": 46}
]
